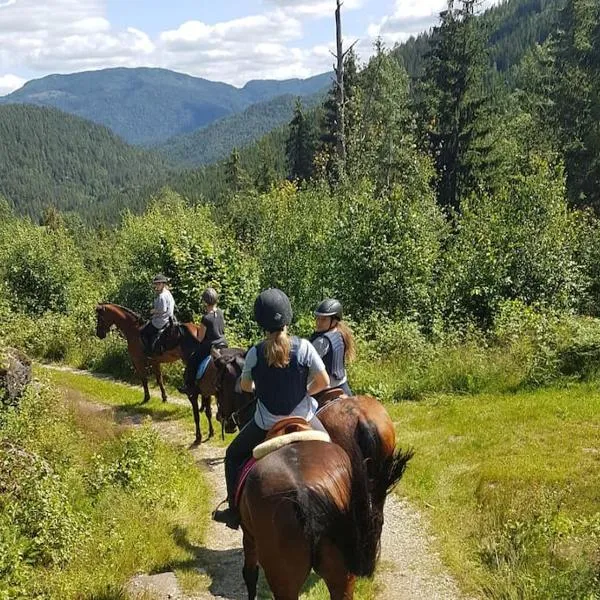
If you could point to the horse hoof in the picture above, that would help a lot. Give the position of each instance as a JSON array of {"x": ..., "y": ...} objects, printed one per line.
[
  {"x": 145, "y": 401},
  {"x": 164, "y": 399},
  {"x": 196, "y": 443}
]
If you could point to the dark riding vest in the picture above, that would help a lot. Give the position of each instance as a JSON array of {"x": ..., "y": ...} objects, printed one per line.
[
  {"x": 334, "y": 359},
  {"x": 215, "y": 328},
  {"x": 280, "y": 389}
]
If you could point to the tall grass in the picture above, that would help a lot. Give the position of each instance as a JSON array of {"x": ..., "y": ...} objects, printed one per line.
[{"x": 87, "y": 503}]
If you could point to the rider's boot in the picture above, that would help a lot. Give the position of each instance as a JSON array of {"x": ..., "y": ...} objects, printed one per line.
[{"x": 230, "y": 516}]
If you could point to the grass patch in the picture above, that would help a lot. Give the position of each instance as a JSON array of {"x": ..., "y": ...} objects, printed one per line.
[
  {"x": 87, "y": 503},
  {"x": 511, "y": 485},
  {"x": 127, "y": 401}
]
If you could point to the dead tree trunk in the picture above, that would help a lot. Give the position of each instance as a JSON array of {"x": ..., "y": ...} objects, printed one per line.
[{"x": 341, "y": 96}]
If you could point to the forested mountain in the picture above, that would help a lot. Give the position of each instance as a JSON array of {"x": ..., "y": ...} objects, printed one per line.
[
  {"x": 147, "y": 106},
  {"x": 511, "y": 29},
  {"x": 212, "y": 143},
  {"x": 49, "y": 158}
]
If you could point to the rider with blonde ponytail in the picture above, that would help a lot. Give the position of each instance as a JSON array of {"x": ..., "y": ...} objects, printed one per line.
[
  {"x": 334, "y": 342},
  {"x": 284, "y": 372}
]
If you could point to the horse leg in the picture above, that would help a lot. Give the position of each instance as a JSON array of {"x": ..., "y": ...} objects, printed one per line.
[
  {"x": 332, "y": 569},
  {"x": 250, "y": 570},
  {"x": 194, "y": 401},
  {"x": 283, "y": 552},
  {"x": 207, "y": 408},
  {"x": 140, "y": 367},
  {"x": 159, "y": 379}
]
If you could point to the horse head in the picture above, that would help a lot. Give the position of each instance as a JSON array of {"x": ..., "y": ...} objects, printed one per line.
[
  {"x": 234, "y": 406},
  {"x": 102, "y": 324}
]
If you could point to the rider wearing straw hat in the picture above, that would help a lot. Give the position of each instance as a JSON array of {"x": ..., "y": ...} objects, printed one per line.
[{"x": 162, "y": 313}]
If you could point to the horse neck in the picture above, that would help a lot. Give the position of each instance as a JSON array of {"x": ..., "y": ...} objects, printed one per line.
[{"x": 122, "y": 320}]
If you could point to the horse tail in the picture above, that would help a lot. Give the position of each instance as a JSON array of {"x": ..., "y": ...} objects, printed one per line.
[
  {"x": 384, "y": 470},
  {"x": 351, "y": 528}
]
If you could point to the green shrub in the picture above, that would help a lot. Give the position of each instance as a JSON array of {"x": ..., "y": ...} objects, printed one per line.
[
  {"x": 517, "y": 245},
  {"x": 185, "y": 244}
]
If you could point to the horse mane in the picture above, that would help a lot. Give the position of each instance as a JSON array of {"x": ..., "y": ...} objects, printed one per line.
[{"x": 126, "y": 310}]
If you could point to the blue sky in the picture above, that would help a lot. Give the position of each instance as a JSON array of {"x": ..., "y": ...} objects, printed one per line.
[{"x": 223, "y": 40}]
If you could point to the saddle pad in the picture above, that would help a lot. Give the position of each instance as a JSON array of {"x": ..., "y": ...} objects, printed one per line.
[
  {"x": 242, "y": 479},
  {"x": 283, "y": 440},
  {"x": 202, "y": 367}
]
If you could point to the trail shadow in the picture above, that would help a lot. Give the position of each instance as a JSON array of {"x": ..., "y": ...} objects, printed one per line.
[
  {"x": 224, "y": 567},
  {"x": 136, "y": 413}
]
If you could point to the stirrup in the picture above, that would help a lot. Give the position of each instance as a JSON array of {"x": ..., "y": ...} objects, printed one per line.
[{"x": 229, "y": 516}]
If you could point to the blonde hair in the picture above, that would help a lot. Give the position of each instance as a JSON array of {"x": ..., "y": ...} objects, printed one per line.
[
  {"x": 277, "y": 349},
  {"x": 349, "y": 343}
]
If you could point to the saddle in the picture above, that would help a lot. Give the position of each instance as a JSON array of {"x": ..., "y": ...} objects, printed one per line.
[
  {"x": 284, "y": 432},
  {"x": 327, "y": 396}
]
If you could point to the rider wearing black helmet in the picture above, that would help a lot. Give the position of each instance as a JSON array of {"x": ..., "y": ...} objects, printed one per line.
[
  {"x": 284, "y": 372},
  {"x": 334, "y": 342},
  {"x": 162, "y": 314},
  {"x": 211, "y": 333}
]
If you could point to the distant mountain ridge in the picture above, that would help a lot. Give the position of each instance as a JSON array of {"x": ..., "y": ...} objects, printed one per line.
[
  {"x": 49, "y": 158},
  {"x": 214, "y": 142},
  {"x": 147, "y": 106}
]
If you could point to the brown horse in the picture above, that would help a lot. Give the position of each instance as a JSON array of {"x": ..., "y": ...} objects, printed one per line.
[
  {"x": 212, "y": 384},
  {"x": 357, "y": 424},
  {"x": 306, "y": 506},
  {"x": 129, "y": 324}
]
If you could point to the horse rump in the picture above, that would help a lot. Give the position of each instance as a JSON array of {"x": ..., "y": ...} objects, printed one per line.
[{"x": 352, "y": 528}]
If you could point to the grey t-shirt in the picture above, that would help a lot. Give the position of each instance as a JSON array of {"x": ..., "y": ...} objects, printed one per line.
[
  {"x": 308, "y": 357},
  {"x": 164, "y": 305}
]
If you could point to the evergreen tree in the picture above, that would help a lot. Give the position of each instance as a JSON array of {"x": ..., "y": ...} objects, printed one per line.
[
  {"x": 328, "y": 139},
  {"x": 452, "y": 109},
  {"x": 576, "y": 98},
  {"x": 382, "y": 145},
  {"x": 235, "y": 175},
  {"x": 300, "y": 145}
]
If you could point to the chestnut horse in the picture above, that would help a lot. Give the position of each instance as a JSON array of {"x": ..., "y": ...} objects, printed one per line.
[
  {"x": 306, "y": 506},
  {"x": 357, "y": 424},
  {"x": 129, "y": 324}
]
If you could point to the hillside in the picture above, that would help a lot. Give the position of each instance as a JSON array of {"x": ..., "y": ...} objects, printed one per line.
[
  {"x": 147, "y": 106},
  {"x": 212, "y": 143},
  {"x": 512, "y": 28},
  {"x": 50, "y": 158}
]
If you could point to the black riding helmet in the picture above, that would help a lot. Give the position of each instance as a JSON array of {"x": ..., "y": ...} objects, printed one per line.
[
  {"x": 210, "y": 296},
  {"x": 160, "y": 278},
  {"x": 273, "y": 310},
  {"x": 329, "y": 308}
]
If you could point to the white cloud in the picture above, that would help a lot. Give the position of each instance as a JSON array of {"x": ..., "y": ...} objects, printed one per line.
[
  {"x": 411, "y": 17},
  {"x": 314, "y": 8},
  {"x": 10, "y": 83},
  {"x": 63, "y": 36}
]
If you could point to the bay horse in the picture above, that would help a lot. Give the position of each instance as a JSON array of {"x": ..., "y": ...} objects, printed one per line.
[
  {"x": 129, "y": 323},
  {"x": 306, "y": 506},
  {"x": 356, "y": 423}
]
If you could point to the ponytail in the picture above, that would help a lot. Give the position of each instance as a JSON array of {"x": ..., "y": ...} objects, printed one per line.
[
  {"x": 277, "y": 349},
  {"x": 349, "y": 343}
]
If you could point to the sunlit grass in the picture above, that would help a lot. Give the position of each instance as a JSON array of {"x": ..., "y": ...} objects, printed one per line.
[{"x": 511, "y": 486}]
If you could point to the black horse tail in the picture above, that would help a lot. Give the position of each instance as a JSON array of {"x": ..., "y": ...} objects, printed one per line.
[
  {"x": 384, "y": 471},
  {"x": 351, "y": 529}
]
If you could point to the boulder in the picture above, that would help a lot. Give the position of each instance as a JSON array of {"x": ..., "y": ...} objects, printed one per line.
[{"x": 15, "y": 375}]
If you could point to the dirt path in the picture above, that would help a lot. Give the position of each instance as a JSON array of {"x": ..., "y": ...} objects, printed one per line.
[{"x": 409, "y": 568}]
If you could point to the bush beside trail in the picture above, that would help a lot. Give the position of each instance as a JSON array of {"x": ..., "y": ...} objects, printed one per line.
[{"x": 85, "y": 504}]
